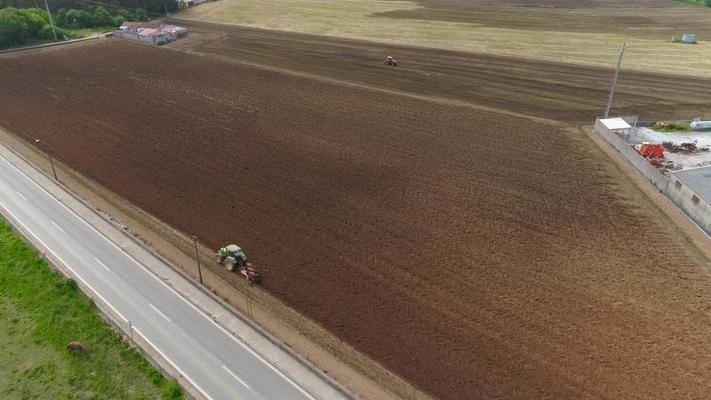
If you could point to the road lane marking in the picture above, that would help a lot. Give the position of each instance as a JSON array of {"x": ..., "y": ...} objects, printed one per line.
[
  {"x": 102, "y": 264},
  {"x": 236, "y": 377},
  {"x": 49, "y": 249},
  {"x": 272, "y": 367},
  {"x": 158, "y": 311},
  {"x": 170, "y": 288},
  {"x": 20, "y": 194},
  {"x": 96, "y": 293},
  {"x": 56, "y": 225},
  {"x": 180, "y": 371}
]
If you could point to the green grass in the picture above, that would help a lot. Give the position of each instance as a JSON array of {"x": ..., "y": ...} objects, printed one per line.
[
  {"x": 697, "y": 2},
  {"x": 589, "y": 36},
  {"x": 84, "y": 32},
  {"x": 672, "y": 126},
  {"x": 40, "y": 311},
  {"x": 71, "y": 34}
]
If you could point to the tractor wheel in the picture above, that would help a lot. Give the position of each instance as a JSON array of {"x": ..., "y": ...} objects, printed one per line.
[
  {"x": 229, "y": 264},
  {"x": 218, "y": 259}
]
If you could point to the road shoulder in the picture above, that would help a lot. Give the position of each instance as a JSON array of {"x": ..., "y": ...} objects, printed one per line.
[
  {"x": 297, "y": 369},
  {"x": 294, "y": 332}
]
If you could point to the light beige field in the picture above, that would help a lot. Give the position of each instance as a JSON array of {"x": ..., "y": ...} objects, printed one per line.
[{"x": 589, "y": 35}]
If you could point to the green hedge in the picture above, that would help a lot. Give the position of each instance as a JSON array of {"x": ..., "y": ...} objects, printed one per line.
[
  {"x": 26, "y": 25},
  {"x": 21, "y": 26}
]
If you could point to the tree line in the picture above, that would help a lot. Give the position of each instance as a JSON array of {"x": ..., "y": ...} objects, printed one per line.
[
  {"x": 19, "y": 26},
  {"x": 152, "y": 7}
]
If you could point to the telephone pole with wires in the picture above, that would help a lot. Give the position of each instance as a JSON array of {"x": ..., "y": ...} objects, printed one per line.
[
  {"x": 51, "y": 23},
  {"x": 614, "y": 81}
]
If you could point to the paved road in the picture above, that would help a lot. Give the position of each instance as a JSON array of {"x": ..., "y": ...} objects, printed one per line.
[{"x": 218, "y": 364}]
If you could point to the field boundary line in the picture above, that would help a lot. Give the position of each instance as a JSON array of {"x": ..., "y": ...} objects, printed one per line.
[
  {"x": 105, "y": 310},
  {"x": 392, "y": 92},
  {"x": 700, "y": 239},
  {"x": 52, "y": 44},
  {"x": 251, "y": 324}
]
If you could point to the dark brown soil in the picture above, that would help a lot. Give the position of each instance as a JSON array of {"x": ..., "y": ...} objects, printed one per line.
[
  {"x": 475, "y": 254},
  {"x": 575, "y": 4},
  {"x": 561, "y": 92},
  {"x": 645, "y": 19}
]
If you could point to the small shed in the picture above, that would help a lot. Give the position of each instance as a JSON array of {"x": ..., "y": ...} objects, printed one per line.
[
  {"x": 688, "y": 38},
  {"x": 130, "y": 26},
  {"x": 699, "y": 125},
  {"x": 617, "y": 125},
  {"x": 176, "y": 32},
  {"x": 153, "y": 33}
]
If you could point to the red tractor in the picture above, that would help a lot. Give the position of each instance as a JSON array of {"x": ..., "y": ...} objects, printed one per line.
[{"x": 390, "y": 60}]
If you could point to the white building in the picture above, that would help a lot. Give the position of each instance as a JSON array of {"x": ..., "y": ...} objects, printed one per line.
[
  {"x": 151, "y": 33},
  {"x": 690, "y": 189}
]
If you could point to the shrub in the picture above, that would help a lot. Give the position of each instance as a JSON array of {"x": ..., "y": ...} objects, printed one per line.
[
  {"x": 672, "y": 126},
  {"x": 117, "y": 20},
  {"x": 102, "y": 17},
  {"x": 141, "y": 15},
  {"x": 21, "y": 26}
]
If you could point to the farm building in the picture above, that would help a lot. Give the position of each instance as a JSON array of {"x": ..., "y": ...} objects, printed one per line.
[
  {"x": 147, "y": 33},
  {"x": 690, "y": 189},
  {"x": 688, "y": 38}
]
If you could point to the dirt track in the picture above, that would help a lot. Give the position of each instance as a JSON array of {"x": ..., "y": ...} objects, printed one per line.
[
  {"x": 476, "y": 255},
  {"x": 633, "y": 18},
  {"x": 575, "y": 4},
  {"x": 561, "y": 92}
]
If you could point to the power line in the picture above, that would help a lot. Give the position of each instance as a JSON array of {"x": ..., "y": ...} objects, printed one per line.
[
  {"x": 614, "y": 81},
  {"x": 51, "y": 23}
]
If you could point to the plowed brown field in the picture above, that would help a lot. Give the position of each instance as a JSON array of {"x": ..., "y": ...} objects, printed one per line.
[
  {"x": 475, "y": 254},
  {"x": 557, "y": 91}
]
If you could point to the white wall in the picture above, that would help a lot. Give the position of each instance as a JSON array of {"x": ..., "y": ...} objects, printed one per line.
[
  {"x": 648, "y": 170},
  {"x": 682, "y": 196},
  {"x": 679, "y": 193}
]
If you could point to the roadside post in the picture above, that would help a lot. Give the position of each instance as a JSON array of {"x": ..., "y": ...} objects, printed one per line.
[
  {"x": 197, "y": 259},
  {"x": 49, "y": 155}
]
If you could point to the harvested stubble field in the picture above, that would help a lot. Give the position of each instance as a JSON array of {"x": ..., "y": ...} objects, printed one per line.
[
  {"x": 477, "y": 255},
  {"x": 562, "y": 92},
  {"x": 579, "y": 31}
]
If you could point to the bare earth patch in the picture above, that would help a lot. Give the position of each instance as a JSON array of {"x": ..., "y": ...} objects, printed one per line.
[
  {"x": 580, "y": 31},
  {"x": 476, "y": 265}
]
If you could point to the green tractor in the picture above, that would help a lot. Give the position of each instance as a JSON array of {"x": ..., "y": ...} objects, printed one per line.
[{"x": 232, "y": 257}]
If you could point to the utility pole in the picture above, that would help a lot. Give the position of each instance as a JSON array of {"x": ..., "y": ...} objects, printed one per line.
[
  {"x": 614, "y": 81},
  {"x": 49, "y": 155},
  {"x": 50, "y": 20},
  {"x": 197, "y": 258}
]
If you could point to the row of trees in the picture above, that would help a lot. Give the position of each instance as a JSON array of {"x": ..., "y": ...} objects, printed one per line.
[
  {"x": 25, "y": 25},
  {"x": 20, "y": 26},
  {"x": 151, "y": 7},
  {"x": 98, "y": 17}
]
